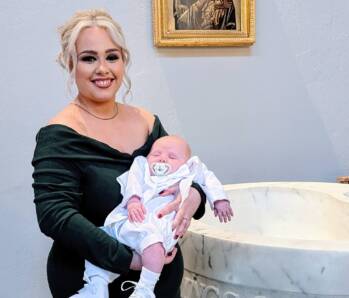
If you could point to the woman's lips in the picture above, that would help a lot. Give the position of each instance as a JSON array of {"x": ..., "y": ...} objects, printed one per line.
[{"x": 102, "y": 83}]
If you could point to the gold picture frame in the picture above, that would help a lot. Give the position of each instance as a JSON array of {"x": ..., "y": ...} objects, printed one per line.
[{"x": 203, "y": 23}]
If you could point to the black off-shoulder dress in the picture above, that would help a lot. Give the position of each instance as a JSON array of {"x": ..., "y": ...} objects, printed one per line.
[{"x": 75, "y": 188}]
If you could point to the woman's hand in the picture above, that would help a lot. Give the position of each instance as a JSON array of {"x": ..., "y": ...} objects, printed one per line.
[
  {"x": 185, "y": 212},
  {"x": 171, "y": 255},
  {"x": 136, "y": 263},
  {"x": 172, "y": 190}
]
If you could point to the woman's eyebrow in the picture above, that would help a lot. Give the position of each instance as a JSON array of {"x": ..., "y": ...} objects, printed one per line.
[
  {"x": 88, "y": 52},
  {"x": 112, "y": 50},
  {"x": 95, "y": 53}
]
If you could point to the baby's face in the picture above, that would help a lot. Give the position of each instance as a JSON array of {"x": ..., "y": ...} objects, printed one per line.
[{"x": 169, "y": 150}]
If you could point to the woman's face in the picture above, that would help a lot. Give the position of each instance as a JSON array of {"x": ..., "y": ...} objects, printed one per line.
[{"x": 99, "y": 68}]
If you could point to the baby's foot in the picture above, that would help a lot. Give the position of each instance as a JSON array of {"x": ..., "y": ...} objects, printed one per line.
[
  {"x": 140, "y": 291},
  {"x": 96, "y": 288}
]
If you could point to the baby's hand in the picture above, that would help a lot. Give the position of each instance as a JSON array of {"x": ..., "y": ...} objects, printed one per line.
[
  {"x": 223, "y": 210},
  {"x": 135, "y": 209}
]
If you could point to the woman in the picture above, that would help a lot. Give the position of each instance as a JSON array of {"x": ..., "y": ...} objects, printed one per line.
[{"x": 81, "y": 152}]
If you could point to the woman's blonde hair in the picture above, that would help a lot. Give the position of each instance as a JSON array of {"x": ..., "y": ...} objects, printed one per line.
[{"x": 70, "y": 31}]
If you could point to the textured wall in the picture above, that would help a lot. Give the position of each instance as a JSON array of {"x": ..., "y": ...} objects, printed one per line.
[
  {"x": 319, "y": 41},
  {"x": 275, "y": 111}
]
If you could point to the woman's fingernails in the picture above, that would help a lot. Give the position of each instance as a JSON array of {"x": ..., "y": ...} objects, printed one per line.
[
  {"x": 176, "y": 237},
  {"x": 169, "y": 254},
  {"x": 159, "y": 215},
  {"x": 181, "y": 237}
]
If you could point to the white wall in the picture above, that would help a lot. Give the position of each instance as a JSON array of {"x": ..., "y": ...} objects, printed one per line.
[{"x": 275, "y": 111}]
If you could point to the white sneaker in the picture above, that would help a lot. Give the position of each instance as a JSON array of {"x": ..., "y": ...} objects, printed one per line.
[
  {"x": 140, "y": 290},
  {"x": 95, "y": 289}
]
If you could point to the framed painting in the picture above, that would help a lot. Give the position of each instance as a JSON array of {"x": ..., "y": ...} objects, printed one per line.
[{"x": 196, "y": 23}]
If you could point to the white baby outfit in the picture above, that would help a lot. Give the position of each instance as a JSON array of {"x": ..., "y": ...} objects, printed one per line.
[{"x": 138, "y": 181}]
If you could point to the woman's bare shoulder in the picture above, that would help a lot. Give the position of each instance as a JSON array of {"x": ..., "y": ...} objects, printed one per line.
[
  {"x": 68, "y": 117},
  {"x": 142, "y": 115}
]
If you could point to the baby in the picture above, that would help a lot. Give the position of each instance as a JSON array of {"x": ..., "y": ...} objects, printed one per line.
[{"x": 136, "y": 221}]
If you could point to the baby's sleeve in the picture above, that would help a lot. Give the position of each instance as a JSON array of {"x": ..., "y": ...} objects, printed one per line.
[
  {"x": 132, "y": 182},
  {"x": 210, "y": 184}
]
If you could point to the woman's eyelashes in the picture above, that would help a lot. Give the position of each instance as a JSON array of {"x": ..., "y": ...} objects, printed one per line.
[
  {"x": 88, "y": 59},
  {"x": 92, "y": 59},
  {"x": 112, "y": 57}
]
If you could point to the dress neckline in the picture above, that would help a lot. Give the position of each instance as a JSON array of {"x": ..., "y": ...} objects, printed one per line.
[{"x": 101, "y": 143}]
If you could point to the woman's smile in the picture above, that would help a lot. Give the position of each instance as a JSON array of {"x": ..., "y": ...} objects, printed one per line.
[{"x": 103, "y": 83}]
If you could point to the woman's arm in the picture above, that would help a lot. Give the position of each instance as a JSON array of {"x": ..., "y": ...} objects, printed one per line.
[
  {"x": 200, "y": 211},
  {"x": 185, "y": 213},
  {"x": 193, "y": 206},
  {"x": 58, "y": 199}
]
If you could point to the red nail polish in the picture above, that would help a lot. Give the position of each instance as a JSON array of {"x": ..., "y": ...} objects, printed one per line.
[
  {"x": 159, "y": 215},
  {"x": 169, "y": 254},
  {"x": 176, "y": 237}
]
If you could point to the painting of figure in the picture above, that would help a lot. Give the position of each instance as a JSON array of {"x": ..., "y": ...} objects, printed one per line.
[
  {"x": 204, "y": 14},
  {"x": 203, "y": 23}
]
